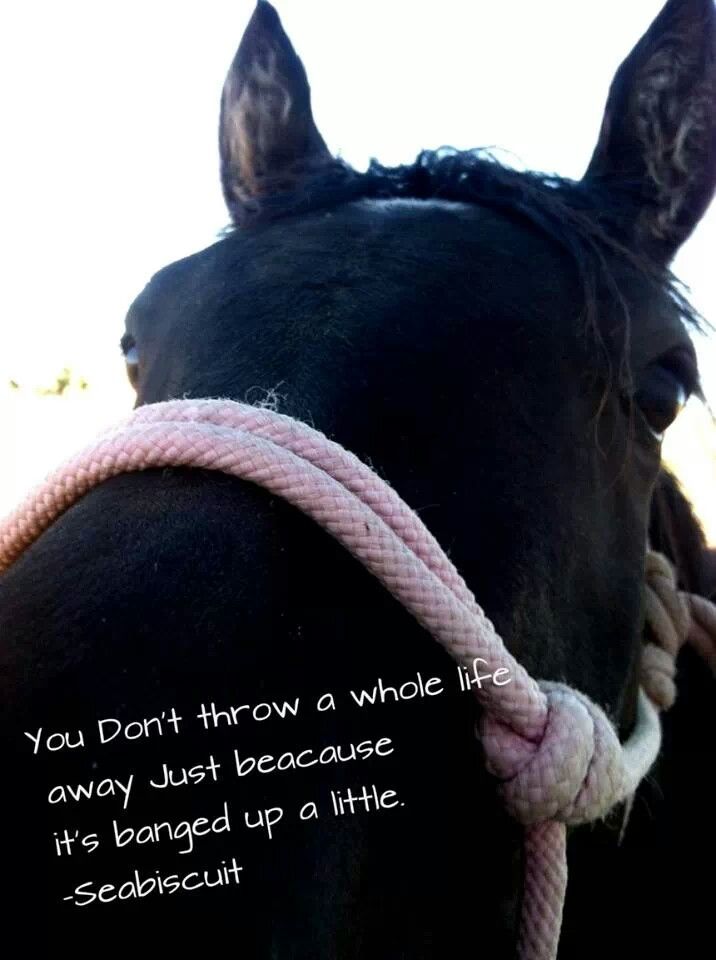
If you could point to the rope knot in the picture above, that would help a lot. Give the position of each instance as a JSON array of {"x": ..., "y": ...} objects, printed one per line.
[{"x": 574, "y": 773}]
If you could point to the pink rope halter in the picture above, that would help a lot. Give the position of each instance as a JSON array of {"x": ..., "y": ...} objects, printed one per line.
[{"x": 555, "y": 753}]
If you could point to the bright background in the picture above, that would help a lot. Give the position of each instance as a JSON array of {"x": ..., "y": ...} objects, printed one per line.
[{"x": 110, "y": 163}]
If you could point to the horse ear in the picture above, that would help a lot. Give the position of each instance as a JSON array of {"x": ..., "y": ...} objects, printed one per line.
[
  {"x": 657, "y": 145},
  {"x": 268, "y": 141}
]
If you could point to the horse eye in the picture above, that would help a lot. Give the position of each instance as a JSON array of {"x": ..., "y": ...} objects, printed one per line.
[
  {"x": 131, "y": 357},
  {"x": 129, "y": 349},
  {"x": 664, "y": 388}
]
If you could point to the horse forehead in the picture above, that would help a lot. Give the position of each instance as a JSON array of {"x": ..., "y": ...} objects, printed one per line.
[
  {"x": 406, "y": 243},
  {"x": 410, "y": 208},
  {"x": 373, "y": 257},
  {"x": 406, "y": 220}
]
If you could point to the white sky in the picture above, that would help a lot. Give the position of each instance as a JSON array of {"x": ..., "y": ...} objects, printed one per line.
[{"x": 109, "y": 132}]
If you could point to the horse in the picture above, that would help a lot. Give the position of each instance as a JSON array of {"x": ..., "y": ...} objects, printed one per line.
[{"x": 506, "y": 349}]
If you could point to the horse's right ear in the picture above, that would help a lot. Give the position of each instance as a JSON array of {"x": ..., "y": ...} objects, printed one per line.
[
  {"x": 267, "y": 139},
  {"x": 657, "y": 148}
]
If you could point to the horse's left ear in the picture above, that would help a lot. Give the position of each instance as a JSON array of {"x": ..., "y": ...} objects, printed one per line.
[
  {"x": 657, "y": 146},
  {"x": 268, "y": 140}
]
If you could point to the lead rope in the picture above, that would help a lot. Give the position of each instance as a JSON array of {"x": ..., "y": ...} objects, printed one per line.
[
  {"x": 673, "y": 617},
  {"x": 555, "y": 754}
]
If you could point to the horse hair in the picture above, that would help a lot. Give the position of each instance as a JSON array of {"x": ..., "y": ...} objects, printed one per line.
[{"x": 591, "y": 221}]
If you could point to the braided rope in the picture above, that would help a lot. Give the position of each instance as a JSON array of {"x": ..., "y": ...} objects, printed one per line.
[
  {"x": 672, "y": 618},
  {"x": 702, "y": 635},
  {"x": 555, "y": 753}
]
